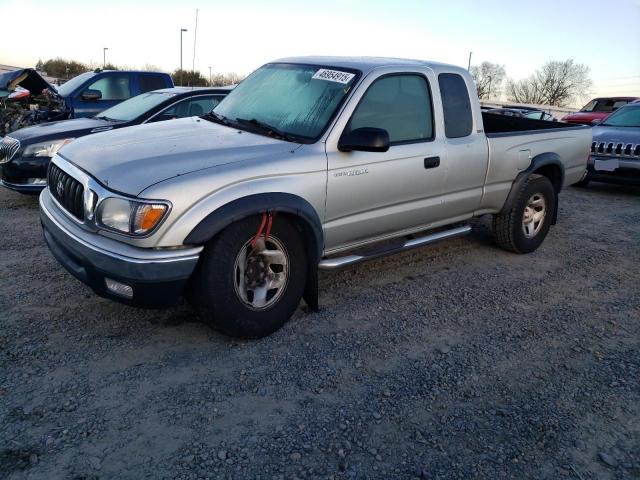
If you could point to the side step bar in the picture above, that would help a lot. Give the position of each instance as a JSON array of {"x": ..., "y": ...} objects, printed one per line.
[{"x": 339, "y": 262}]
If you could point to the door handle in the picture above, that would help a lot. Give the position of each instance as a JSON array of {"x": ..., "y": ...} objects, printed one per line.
[{"x": 431, "y": 162}]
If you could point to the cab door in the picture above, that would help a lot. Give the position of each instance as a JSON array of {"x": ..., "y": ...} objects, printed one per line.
[
  {"x": 375, "y": 194},
  {"x": 113, "y": 88}
]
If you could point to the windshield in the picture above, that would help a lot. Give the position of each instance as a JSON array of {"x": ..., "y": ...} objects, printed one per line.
[
  {"x": 603, "y": 105},
  {"x": 296, "y": 100},
  {"x": 625, "y": 117},
  {"x": 69, "y": 86},
  {"x": 134, "y": 107}
]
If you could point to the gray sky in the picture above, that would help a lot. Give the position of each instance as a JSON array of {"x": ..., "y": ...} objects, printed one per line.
[{"x": 239, "y": 36}]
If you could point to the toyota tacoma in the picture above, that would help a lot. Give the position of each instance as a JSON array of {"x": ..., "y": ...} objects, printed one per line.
[{"x": 313, "y": 162}]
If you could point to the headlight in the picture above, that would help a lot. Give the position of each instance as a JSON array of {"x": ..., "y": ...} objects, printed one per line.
[
  {"x": 130, "y": 216},
  {"x": 45, "y": 149}
]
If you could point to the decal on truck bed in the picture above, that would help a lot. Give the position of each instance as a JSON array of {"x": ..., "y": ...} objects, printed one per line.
[{"x": 333, "y": 76}]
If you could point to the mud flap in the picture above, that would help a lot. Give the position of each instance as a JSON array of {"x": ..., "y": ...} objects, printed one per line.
[{"x": 310, "y": 294}]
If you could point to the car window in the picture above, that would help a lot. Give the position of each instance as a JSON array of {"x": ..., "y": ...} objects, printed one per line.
[
  {"x": 151, "y": 82},
  {"x": 136, "y": 106},
  {"x": 193, "y": 106},
  {"x": 112, "y": 87},
  {"x": 399, "y": 104},
  {"x": 456, "y": 106},
  {"x": 619, "y": 103}
]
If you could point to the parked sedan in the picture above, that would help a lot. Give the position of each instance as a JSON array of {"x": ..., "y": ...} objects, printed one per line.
[
  {"x": 25, "y": 154},
  {"x": 615, "y": 151}
]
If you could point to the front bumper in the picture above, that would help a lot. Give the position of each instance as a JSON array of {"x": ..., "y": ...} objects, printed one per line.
[
  {"x": 17, "y": 173},
  {"x": 157, "y": 277},
  {"x": 626, "y": 171}
]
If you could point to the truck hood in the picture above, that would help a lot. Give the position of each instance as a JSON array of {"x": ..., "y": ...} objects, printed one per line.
[{"x": 131, "y": 159}]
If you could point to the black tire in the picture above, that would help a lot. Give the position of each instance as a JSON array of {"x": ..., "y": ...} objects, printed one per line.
[
  {"x": 213, "y": 292},
  {"x": 508, "y": 226}
]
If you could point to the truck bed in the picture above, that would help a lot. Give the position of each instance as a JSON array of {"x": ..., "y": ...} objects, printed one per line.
[
  {"x": 513, "y": 143},
  {"x": 501, "y": 125}
]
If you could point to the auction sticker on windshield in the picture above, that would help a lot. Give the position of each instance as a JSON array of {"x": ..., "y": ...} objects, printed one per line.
[{"x": 333, "y": 76}]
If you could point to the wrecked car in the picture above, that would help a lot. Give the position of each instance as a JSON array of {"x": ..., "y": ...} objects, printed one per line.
[
  {"x": 27, "y": 99},
  {"x": 83, "y": 96}
]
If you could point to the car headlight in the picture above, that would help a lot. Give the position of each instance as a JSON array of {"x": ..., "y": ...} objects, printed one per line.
[
  {"x": 45, "y": 149},
  {"x": 130, "y": 216}
]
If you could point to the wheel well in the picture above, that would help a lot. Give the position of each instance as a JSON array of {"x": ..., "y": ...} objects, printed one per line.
[{"x": 553, "y": 173}]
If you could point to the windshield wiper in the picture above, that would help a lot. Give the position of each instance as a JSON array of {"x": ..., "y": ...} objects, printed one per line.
[
  {"x": 108, "y": 119},
  {"x": 268, "y": 129},
  {"x": 217, "y": 118}
]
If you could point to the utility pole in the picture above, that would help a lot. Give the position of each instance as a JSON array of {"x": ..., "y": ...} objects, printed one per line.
[
  {"x": 469, "y": 67},
  {"x": 182, "y": 30},
  {"x": 210, "y": 76},
  {"x": 489, "y": 92},
  {"x": 104, "y": 57}
]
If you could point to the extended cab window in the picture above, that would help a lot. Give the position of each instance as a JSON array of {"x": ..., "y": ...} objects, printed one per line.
[
  {"x": 113, "y": 87},
  {"x": 399, "y": 104},
  {"x": 456, "y": 106},
  {"x": 151, "y": 82}
]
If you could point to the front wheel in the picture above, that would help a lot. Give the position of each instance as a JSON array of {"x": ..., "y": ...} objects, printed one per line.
[
  {"x": 523, "y": 228},
  {"x": 246, "y": 288}
]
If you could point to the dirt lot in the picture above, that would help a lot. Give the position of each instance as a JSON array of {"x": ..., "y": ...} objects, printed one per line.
[{"x": 454, "y": 361}]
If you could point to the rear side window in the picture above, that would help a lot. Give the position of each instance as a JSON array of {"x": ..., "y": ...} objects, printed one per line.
[
  {"x": 456, "y": 105},
  {"x": 399, "y": 104},
  {"x": 151, "y": 82},
  {"x": 193, "y": 107}
]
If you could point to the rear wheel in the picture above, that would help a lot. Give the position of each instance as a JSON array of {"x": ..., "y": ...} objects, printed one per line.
[
  {"x": 523, "y": 228},
  {"x": 250, "y": 289}
]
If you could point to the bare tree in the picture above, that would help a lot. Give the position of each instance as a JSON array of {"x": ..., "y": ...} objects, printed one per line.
[
  {"x": 225, "y": 79},
  {"x": 557, "y": 83},
  {"x": 489, "y": 77}
]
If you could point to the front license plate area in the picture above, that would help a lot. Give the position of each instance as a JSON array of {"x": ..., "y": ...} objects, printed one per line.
[{"x": 606, "y": 165}]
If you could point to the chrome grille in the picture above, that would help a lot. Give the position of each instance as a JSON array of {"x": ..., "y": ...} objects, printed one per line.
[
  {"x": 615, "y": 149},
  {"x": 8, "y": 148},
  {"x": 68, "y": 191}
]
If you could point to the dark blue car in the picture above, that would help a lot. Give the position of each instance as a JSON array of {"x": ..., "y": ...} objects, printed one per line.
[
  {"x": 25, "y": 154},
  {"x": 615, "y": 151}
]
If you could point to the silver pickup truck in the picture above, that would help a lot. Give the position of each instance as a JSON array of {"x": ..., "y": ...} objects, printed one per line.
[{"x": 315, "y": 162}]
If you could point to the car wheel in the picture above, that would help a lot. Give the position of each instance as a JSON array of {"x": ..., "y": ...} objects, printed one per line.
[
  {"x": 248, "y": 286},
  {"x": 523, "y": 228}
]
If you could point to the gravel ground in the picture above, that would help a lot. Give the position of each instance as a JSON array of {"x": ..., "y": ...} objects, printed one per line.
[{"x": 457, "y": 361}]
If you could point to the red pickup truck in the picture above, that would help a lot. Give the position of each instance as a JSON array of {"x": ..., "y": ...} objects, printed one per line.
[{"x": 597, "y": 109}]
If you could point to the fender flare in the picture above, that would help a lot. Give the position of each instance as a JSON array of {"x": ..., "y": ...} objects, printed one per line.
[
  {"x": 539, "y": 161},
  {"x": 256, "y": 204}
]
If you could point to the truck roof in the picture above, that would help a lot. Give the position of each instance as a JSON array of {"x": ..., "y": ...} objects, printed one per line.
[{"x": 367, "y": 64}]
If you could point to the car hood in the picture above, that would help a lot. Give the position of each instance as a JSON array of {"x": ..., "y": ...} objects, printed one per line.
[
  {"x": 586, "y": 117},
  {"x": 62, "y": 129},
  {"x": 26, "y": 78},
  {"x": 616, "y": 135},
  {"x": 129, "y": 160}
]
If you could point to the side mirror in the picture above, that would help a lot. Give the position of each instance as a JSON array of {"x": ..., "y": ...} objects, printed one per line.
[
  {"x": 91, "y": 95},
  {"x": 365, "y": 139},
  {"x": 596, "y": 122}
]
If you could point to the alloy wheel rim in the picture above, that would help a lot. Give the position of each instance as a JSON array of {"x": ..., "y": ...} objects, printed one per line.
[
  {"x": 261, "y": 273},
  {"x": 534, "y": 215}
]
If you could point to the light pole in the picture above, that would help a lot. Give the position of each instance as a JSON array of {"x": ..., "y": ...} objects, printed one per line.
[
  {"x": 469, "y": 67},
  {"x": 210, "y": 75},
  {"x": 104, "y": 57},
  {"x": 182, "y": 30},
  {"x": 489, "y": 92}
]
